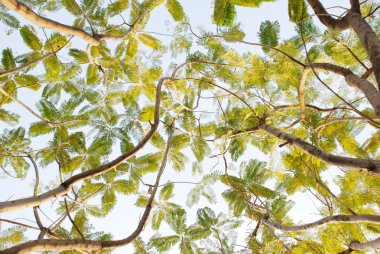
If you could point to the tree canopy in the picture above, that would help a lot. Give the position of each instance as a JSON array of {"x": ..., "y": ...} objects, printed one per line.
[{"x": 96, "y": 111}]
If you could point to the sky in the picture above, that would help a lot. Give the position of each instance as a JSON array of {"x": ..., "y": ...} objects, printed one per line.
[{"x": 123, "y": 220}]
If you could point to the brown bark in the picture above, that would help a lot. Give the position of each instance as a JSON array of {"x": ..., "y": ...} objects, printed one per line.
[
  {"x": 367, "y": 165},
  {"x": 30, "y": 15},
  {"x": 33, "y": 17},
  {"x": 367, "y": 246},
  {"x": 369, "y": 40},
  {"x": 326, "y": 19},
  {"x": 366, "y": 87},
  {"x": 367, "y": 218}
]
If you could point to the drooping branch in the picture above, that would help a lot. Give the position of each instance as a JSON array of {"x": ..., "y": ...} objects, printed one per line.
[
  {"x": 366, "y": 87},
  {"x": 362, "y": 218},
  {"x": 363, "y": 164},
  {"x": 63, "y": 188},
  {"x": 326, "y": 18},
  {"x": 89, "y": 245}
]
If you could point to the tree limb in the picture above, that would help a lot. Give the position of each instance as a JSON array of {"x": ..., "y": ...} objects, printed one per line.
[
  {"x": 63, "y": 188},
  {"x": 89, "y": 245},
  {"x": 365, "y": 164},
  {"x": 366, "y": 87},
  {"x": 326, "y": 19},
  {"x": 366, "y": 218}
]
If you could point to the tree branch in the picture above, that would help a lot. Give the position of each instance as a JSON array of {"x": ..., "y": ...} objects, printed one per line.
[
  {"x": 366, "y": 87},
  {"x": 63, "y": 188},
  {"x": 89, "y": 245},
  {"x": 362, "y": 218},
  {"x": 326, "y": 19},
  {"x": 368, "y": 165}
]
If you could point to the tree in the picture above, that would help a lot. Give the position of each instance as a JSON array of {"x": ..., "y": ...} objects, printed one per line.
[{"x": 109, "y": 114}]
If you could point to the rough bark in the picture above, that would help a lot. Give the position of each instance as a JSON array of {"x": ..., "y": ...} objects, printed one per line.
[
  {"x": 33, "y": 17},
  {"x": 63, "y": 188},
  {"x": 369, "y": 40},
  {"x": 367, "y": 218},
  {"x": 367, "y": 246},
  {"x": 326, "y": 19},
  {"x": 363, "y": 164},
  {"x": 366, "y": 87}
]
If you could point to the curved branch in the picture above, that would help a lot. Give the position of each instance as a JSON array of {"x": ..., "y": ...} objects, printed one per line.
[
  {"x": 247, "y": 43},
  {"x": 63, "y": 188},
  {"x": 367, "y": 218},
  {"x": 25, "y": 66},
  {"x": 366, "y": 87},
  {"x": 369, "y": 39},
  {"x": 326, "y": 19},
  {"x": 367, "y": 165},
  {"x": 367, "y": 246},
  {"x": 89, "y": 245},
  {"x": 33, "y": 17}
]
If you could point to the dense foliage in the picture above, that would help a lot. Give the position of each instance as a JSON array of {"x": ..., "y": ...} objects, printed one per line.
[{"x": 91, "y": 111}]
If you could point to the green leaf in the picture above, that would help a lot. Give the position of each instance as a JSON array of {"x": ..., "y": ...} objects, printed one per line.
[
  {"x": 117, "y": 7},
  {"x": 108, "y": 201},
  {"x": 80, "y": 56},
  {"x": 7, "y": 117},
  {"x": 147, "y": 114},
  {"x": 150, "y": 41},
  {"x": 164, "y": 243},
  {"x": 176, "y": 220},
  {"x": 9, "y": 20},
  {"x": 297, "y": 10},
  {"x": 269, "y": 33},
  {"x": 52, "y": 67},
  {"x": 30, "y": 38},
  {"x": 55, "y": 42},
  {"x": 8, "y": 61},
  {"x": 206, "y": 217},
  {"x": 224, "y": 13},
  {"x": 28, "y": 81},
  {"x": 157, "y": 218},
  {"x": 72, "y": 7},
  {"x": 132, "y": 47},
  {"x": 167, "y": 191},
  {"x": 92, "y": 74},
  {"x": 125, "y": 187},
  {"x": 175, "y": 9}
]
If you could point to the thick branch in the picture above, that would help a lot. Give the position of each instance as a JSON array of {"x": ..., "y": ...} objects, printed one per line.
[
  {"x": 61, "y": 245},
  {"x": 366, "y": 87},
  {"x": 63, "y": 188},
  {"x": 368, "y": 246},
  {"x": 369, "y": 40},
  {"x": 326, "y": 18},
  {"x": 367, "y": 218},
  {"x": 33, "y": 17},
  {"x": 368, "y": 165}
]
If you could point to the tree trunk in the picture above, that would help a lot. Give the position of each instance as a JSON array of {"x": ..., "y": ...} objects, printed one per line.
[{"x": 369, "y": 40}]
